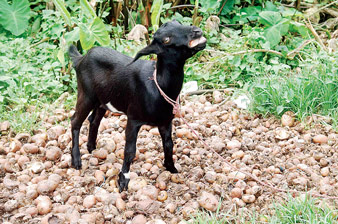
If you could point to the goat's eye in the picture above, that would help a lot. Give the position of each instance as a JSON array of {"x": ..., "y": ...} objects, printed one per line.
[{"x": 166, "y": 40}]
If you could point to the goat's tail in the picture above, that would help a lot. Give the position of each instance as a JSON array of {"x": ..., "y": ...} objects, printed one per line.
[{"x": 74, "y": 55}]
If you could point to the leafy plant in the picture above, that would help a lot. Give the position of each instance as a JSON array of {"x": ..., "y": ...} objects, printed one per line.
[
  {"x": 29, "y": 77},
  {"x": 156, "y": 10},
  {"x": 311, "y": 90},
  {"x": 14, "y": 17},
  {"x": 92, "y": 29},
  {"x": 276, "y": 26}
]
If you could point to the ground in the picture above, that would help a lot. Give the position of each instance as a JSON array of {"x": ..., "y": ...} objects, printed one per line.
[{"x": 37, "y": 183}]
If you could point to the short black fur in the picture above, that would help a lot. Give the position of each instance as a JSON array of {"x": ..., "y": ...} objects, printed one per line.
[{"x": 107, "y": 76}]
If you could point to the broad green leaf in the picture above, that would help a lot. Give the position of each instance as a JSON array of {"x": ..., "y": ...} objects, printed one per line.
[
  {"x": 87, "y": 8},
  {"x": 287, "y": 12},
  {"x": 60, "y": 5},
  {"x": 269, "y": 18},
  {"x": 269, "y": 6},
  {"x": 274, "y": 34},
  {"x": 300, "y": 28},
  {"x": 156, "y": 10},
  {"x": 249, "y": 13},
  {"x": 61, "y": 57},
  {"x": 73, "y": 35},
  {"x": 87, "y": 39},
  {"x": 228, "y": 7},
  {"x": 95, "y": 32},
  {"x": 36, "y": 25},
  {"x": 99, "y": 31},
  {"x": 210, "y": 5},
  {"x": 14, "y": 17}
]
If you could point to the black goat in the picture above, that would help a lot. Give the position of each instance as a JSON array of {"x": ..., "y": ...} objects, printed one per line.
[{"x": 108, "y": 79}]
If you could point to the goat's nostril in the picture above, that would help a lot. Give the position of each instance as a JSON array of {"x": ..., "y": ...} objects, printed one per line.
[{"x": 197, "y": 31}]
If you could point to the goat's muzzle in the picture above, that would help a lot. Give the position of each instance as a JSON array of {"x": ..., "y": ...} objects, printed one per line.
[{"x": 198, "y": 42}]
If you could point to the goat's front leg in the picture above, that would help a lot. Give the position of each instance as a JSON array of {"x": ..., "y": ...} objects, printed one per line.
[
  {"x": 129, "y": 152},
  {"x": 94, "y": 119},
  {"x": 165, "y": 132}
]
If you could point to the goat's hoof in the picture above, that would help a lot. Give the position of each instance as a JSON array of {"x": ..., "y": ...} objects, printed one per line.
[
  {"x": 91, "y": 148},
  {"x": 76, "y": 163},
  {"x": 171, "y": 169},
  {"x": 123, "y": 182}
]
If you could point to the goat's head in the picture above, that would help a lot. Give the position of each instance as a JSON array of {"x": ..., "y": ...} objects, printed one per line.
[{"x": 176, "y": 41}]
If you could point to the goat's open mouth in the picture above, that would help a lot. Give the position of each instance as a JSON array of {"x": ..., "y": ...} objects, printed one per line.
[{"x": 198, "y": 42}]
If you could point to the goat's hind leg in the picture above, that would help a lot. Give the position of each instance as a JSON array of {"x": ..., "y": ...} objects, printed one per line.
[
  {"x": 83, "y": 107},
  {"x": 165, "y": 132},
  {"x": 129, "y": 152},
  {"x": 94, "y": 119}
]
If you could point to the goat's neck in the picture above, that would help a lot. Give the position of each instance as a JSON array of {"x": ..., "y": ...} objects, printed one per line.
[{"x": 170, "y": 76}]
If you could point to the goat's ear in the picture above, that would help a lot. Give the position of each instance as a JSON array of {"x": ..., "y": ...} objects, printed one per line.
[{"x": 152, "y": 48}]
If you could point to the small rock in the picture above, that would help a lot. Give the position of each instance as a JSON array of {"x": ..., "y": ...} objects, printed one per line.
[
  {"x": 325, "y": 171},
  {"x": 288, "y": 119},
  {"x": 4, "y": 126},
  {"x": 108, "y": 144},
  {"x": 300, "y": 181},
  {"x": 55, "y": 131},
  {"x": 148, "y": 191},
  {"x": 320, "y": 139},
  {"x": 217, "y": 95},
  {"x": 89, "y": 201},
  {"x": 147, "y": 206},
  {"x": 238, "y": 154},
  {"x": 30, "y": 148},
  {"x": 210, "y": 177},
  {"x": 156, "y": 221},
  {"x": 99, "y": 175},
  {"x": 44, "y": 205},
  {"x": 53, "y": 153},
  {"x": 248, "y": 198},
  {"x": 208, "y": 201},
  {"x": 100, "y": 154},
  {"x": 282, "y": 134},
  {"x": 139, "y": 219},
  {"x": 11, "y": 205},
  {"x": 234, "y": 145},
  {"x": 236, "y": 192},
  {"x": 37, "y": 167},
  {"x": 120, "y": 204},
  {"x": 136, "y": 184},
  {"x": 236, "y": 175}
]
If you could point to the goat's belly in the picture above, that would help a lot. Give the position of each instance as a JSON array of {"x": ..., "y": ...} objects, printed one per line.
[{"x": 110, "y": 107}]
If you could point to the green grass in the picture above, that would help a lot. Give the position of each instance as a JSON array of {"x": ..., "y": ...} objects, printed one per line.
[
  {"x": 300, "y": 210},
  {"x": 313, "y": 90},
  {"x": 304, "y": 210}
]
